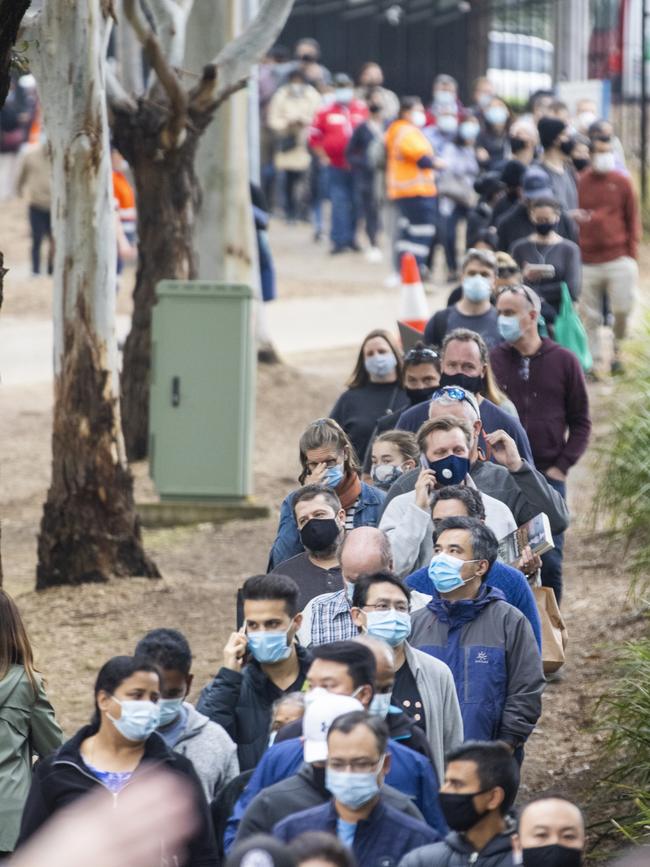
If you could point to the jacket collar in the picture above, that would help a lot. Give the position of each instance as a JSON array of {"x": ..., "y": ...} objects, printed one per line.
[
  {"x": 258, "y": 676},
  {"x": 464, "y": 610},
  {"x": 155, "y": 749},
  {"x": 375, "y": 816}
]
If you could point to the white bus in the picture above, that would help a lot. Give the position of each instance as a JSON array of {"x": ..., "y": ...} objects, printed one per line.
[{"x": 518, "y": 65}]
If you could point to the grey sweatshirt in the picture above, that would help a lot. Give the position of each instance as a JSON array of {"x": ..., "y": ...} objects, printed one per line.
[{"x": 210, "y": 749}]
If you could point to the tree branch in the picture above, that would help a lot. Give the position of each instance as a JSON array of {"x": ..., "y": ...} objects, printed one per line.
[
  {"x": 235, "y": 59},
  {"x": 173, "y": 134},
  {"x": 11, "y": 14},
  {"x": 118, "y": 98},
  {"x": 170, "y": 18}
]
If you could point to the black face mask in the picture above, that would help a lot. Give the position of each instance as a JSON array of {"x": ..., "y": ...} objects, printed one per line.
[
  {"x": 552, "y": 856},
  {"x": 307, "y": 58},
  {"x": 475, "y": 384},
  {"x": 545, "y": 228},
  {"x": 580, "y": 163},
  {"x": 517, "y": 145},
  {"x": 319, "y": 534},
  {"x": 567, "y": 146},
  {"x": 419, "y": 395},
  {"x": 459, "y": 810}
]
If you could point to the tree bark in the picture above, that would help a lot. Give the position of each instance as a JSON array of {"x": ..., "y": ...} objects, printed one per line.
[
  {"x": 167, "y": 195},
  {"x": 90, "y": 530}
]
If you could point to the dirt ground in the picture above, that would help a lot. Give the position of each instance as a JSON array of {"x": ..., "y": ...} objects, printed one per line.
[{"x": 75, "y": 630}]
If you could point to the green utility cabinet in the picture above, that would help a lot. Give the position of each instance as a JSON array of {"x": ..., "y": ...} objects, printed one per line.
[{"x": 201, "y": 416}]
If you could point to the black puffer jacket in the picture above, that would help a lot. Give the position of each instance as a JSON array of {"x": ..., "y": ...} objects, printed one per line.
[
  {"x": 63, "y": 778},
  {"x": 241, "y": 702},
  {"x": 456, "y": 851}
]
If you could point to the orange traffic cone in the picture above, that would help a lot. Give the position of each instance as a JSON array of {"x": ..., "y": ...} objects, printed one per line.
[{"x": 413, "y": 303}]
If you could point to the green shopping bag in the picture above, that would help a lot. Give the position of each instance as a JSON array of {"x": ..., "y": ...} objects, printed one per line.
[{"x": 570, "y": 332}]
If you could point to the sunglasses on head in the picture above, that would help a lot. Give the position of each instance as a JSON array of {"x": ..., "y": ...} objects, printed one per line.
[
  {"x": 423, "y": 354},
  {"x": 507, "y": 271},
  {"x": 518, "y": 290}
]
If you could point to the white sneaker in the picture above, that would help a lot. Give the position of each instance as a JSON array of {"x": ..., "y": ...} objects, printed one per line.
[
  {"x": 392, "y": 281},
  {"x": 374, "y": 255}
]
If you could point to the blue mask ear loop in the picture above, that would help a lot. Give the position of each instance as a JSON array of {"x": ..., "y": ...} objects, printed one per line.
[{"x": 484, "y": 454}]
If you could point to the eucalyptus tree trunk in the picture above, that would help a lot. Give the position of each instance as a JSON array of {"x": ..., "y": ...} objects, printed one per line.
[{"x": 89, "y": 529}]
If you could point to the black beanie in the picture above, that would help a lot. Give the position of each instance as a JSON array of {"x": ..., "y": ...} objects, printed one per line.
[{"x": 549, "y": 129}]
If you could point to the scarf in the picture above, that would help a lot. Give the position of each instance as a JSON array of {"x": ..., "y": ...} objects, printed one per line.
[{"x": 349, "y": 489}]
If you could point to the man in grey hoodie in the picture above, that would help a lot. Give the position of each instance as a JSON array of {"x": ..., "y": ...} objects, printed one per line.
[
  {"x": 481, "y": 782},
  {"x": 205, "y": 743}
]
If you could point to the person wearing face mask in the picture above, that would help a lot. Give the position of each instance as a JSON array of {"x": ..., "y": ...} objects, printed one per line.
[
  {"x": 420, "y": 686},
  {"x": 546, "y": 384},
  {"x": 374, "y": 389},
  {"x": 307, "y": 59},
  {"x": 488, "y": 644},
  {"x": 443, "y": 130},
  {"x": 557, "y": 145},
  {"x": 421, "y": 375},
  {"x": 328, "y": 458},
  {"x": 119, "y": 745},
  {"x": 482, "y": 94},
  {"x": 490, "y": 189},
  {"x": 343, "y": 668},
  {"x": 550, "y": 833},
  {"x": 456, "y": 186},
  {"x": 492, "y": 143},
  {"x": 327, "y": 618},
  {"x": 523, "y": 141},
  {"x": 481, "y": 783},
  {"x": 547, "y": 260},
  {"x": 474, "y": 311},
  {"x": 286, "y": 710},
  {"x": 320, "y": 521},
  {"x": 445, "y": 94},
  {"x": 410, "y": 182},
  {"x": 306, "y": 788},
  {"x": 461, "y": 501},
  {"x": 330, "y": 134},
  {"x": 261, "y": 662},
  {"x": 357, "y": 763},
  {"x": 609, "y": 243},
  {"x": 290, "y": 112},
  {"x": 393, "y": 453},
  {"x": 512, "y": 175},
  {"x": 370, "y": 86},
  {"x": 184, "y": 729},
  {"x": 446, "y": 444}
]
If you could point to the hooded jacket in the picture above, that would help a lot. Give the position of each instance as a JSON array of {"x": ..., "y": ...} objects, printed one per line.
[
  {"x": 27, "y": 726},
  {"x": 550, "y": 401},
  {"x": 410, "y": 773},
  {"x": 212, "y": 752},
  {"x": 63, "y": 777},
  {"x": 492, "y": 653},
  {"x": 299, "y": 792},
  {"x": 241, "y": 702},
  {"x": 456, "y": 851},
  {"x": 381, "y": 840}
]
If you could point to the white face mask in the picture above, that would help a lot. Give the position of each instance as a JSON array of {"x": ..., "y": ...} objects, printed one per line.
[
  {"x": 418, "y": 117},
  {"x": 585, "y": 119},
  {"x": 603, "y": 163}
]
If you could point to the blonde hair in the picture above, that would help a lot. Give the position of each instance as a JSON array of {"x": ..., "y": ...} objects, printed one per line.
[
  {"x": 444, "y": 423},
  {"x": 322, "y": 433}
]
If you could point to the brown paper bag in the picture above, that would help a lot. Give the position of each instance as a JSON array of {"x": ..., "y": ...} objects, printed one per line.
[{"x": 554, "y": 632}]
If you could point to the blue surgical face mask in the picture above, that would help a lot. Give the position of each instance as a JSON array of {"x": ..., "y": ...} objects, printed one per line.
[
  {"x": 391, "y": 626},
  {"x": 352, "y": 790},
  {"x": 444, "y": 571},
  {"x": 496, "y": 114},
  {"x": 381, "y": 364},
  {"x": 444, "y": 97},
  {"x": 447, "y": 123},
  {"x": 468, "y": 131},
  {"x": 349, "y": 590},
  {"x": 139, "y": 719},
  {"x": 333, "y": 476},
  {"x": 450, "y": 470},
  {"x": 380, "y": 704},
  {"x": 344, "y": 95},
  {"x": 509, "y": 328},
  {"x": 268, "y": 646},
  {"x": 169, "y": 709},
  {"x": 476, "y": 288}
]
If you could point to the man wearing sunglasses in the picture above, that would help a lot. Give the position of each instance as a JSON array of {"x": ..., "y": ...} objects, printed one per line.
[{"x": 546, "y": 384}]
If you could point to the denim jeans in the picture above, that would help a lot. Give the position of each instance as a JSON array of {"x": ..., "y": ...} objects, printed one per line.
[
  {"x": 39, "y": 221},
  {"x": 451, "y": 235},
  {"x": 344, "y": 218},
  {"x": 552, "y": 560}
]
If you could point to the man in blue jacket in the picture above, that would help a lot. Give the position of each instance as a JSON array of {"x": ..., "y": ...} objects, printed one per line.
[
  {"x": 352, "y": 672},
  {"x": 488, "y": 645},
  {"x": 357, "y": 762},
  {"x": 459, "y": 501}
]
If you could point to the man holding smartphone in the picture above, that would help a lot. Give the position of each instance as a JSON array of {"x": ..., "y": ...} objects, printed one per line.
[{"x": 261, "y": 663}]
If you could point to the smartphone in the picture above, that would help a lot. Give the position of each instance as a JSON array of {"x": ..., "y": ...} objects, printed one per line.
[{"x": 541, "y": 271}]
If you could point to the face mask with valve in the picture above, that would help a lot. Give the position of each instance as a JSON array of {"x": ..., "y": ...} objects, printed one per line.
[{"x": 450, "y": 470}]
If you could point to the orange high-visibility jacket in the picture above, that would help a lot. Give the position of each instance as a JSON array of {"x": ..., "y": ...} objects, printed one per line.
[{"x": 405, "y": 145}]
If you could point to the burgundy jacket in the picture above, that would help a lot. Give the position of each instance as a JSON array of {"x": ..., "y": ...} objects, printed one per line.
[{"x": 552, "y": 402}]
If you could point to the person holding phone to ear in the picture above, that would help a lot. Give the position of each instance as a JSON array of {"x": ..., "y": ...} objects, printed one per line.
[{"x": 261, "y": 663}]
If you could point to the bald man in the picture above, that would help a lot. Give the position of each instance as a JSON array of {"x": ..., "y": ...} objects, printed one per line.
[
  {"x": 327, "y": 618},
  {"x": 551, "y": 834}
]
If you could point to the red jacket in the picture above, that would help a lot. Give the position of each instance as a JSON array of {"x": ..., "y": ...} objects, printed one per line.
[
  {"x": 332, "y": 129},
  {"x": 614, "y": 228}
]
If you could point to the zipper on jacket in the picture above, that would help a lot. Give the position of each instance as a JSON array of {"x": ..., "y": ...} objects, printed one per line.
[{"x": 473, "y": 858}]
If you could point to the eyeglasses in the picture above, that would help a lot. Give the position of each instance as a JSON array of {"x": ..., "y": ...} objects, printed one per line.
[
  {"x": 420, "y": 355},
  {"x": 402, "y": 607},
  {"x": 357, "y": 766}
]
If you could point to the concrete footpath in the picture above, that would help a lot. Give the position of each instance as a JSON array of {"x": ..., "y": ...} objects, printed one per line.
[{"x": 297, "y": 326}]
